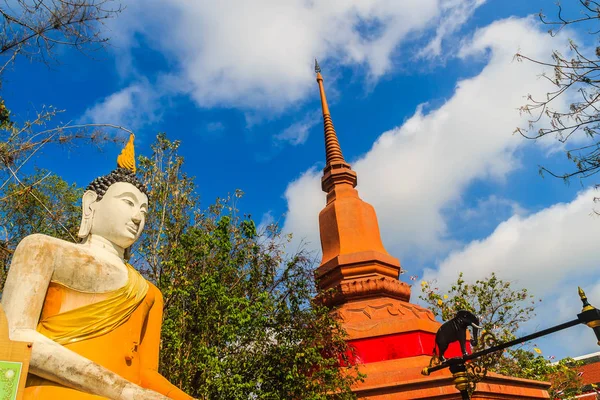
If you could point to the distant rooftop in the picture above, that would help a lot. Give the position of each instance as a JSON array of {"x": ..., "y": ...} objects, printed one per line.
[
  {"x": 589, "y": 358},
  {"x": 590, "y": 371}
]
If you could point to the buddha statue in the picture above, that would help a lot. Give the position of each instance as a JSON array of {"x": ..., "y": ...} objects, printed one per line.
[{"x": 93, "y": 320}]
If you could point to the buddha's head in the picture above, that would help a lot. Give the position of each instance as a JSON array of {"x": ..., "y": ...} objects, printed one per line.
[{"x": 114, "y": 206}]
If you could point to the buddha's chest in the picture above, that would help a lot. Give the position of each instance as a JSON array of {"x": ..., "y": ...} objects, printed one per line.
[{"x": 90, "y": 275}]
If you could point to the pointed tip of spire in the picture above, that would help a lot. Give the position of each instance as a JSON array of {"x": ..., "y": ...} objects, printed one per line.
[{"x": 317, "y": 68}]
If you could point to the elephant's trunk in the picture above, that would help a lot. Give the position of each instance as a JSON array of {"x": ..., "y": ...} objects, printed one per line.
[{"x": 475, "y": 333}]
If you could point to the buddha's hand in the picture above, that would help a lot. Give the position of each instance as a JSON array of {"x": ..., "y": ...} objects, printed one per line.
[{"x": 134, "y": 392}]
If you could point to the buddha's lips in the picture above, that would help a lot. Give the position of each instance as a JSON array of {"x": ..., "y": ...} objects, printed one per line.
[{"x": 133, "y": 228}]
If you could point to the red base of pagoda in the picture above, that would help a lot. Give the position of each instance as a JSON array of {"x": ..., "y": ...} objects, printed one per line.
[
  {"x": 399, "y": 345},
  {"x": 393, "y": 341}
]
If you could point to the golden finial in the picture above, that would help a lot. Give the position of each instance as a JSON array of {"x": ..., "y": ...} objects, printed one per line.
[
  {"x": 584, "y": 300},
  {"x": 127, "y": 157}
]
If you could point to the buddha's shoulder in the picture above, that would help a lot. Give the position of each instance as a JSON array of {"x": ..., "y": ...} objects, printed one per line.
[
  {"x": 45, "y": 242},
  {"x": 154, "y": 290}
]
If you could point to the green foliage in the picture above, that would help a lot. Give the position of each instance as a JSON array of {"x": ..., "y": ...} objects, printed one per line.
[
  {"x": 562, "y": 375},
  {"x": 5, "y": 122},
  {"x": 21, "y": 213},
  {"x": 501, "y": 310},
  {"x": 239, "y": 322}
]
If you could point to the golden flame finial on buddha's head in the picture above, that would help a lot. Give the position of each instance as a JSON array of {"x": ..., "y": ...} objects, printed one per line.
[{"x": 127, "y": 157}]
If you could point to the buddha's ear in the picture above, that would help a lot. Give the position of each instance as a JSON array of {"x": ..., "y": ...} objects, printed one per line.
[{"x": 87, "y": 213}]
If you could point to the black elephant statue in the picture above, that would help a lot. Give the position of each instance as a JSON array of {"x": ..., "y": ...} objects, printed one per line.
[{"x": 456, "y": 330}]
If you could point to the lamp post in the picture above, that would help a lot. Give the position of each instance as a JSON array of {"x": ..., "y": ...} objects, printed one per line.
[{"x": 459, "y": 367}]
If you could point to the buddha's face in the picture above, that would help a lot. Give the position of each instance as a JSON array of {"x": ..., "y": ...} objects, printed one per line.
[{"x": 119, "y": 217}]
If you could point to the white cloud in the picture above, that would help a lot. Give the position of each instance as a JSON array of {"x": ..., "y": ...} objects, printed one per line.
[
  {"x": 215, "y": 126},
  {"x": 304, "y": 200},
  {"x": 297, "y": 133},
  {"x": 259, "y": 54},
  {"x": 459, "y": 12},
  {"x": 413, "y": 173},
  {"x": 266, "y": 220},
  {"x": 539, "y": 251},
  {"x": 133, "y": 107},
  {"x": 550, "y": 253},
  {"x": 492, "y": 205}
]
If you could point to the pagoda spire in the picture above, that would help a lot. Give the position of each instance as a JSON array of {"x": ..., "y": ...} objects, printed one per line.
[
  {"x": 355, "y": 264},
  {"x": 337, "y": 170},
  {"x": 333, "y": 151}
]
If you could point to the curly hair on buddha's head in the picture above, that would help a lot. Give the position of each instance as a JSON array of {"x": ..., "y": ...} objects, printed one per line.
[{"x": 101, "y": 184}]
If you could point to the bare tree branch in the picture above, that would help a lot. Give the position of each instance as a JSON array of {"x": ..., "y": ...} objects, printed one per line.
[
  {"x": 576, "y": 76},
  {"x": 33, "y": 28}
]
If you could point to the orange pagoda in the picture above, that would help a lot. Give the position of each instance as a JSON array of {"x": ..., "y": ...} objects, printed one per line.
[{"x": 393, "y": 338}]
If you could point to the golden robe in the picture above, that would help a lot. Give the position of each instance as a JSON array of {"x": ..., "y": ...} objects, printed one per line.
[{"x": 119, "y": 330}]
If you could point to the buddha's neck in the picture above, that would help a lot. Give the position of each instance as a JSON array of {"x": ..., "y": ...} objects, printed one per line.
[{"x": 104, "y": 248}]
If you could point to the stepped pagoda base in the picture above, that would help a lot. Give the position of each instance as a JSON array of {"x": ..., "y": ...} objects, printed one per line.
[
  {"x": 402, "y": 380},
  {"x": 393, "y": 342}
]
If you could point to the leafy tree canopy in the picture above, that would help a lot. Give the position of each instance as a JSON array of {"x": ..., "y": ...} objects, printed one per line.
[
  {"x": 22, "y": 213},
  {"x": 502, "y": 310},
  {"x": 239, "y": 321}
]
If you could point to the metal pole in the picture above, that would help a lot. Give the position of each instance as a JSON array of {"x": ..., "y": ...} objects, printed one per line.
[
  {"x": 527, "y": 338},
  {"x": 461, "y": 380},
  {"x": 461, "y": 360}
]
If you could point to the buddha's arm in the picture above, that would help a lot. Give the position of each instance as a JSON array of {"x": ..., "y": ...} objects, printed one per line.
[
  {"x": 23, "y": 297},
  {"x": 149, "y": 353}
]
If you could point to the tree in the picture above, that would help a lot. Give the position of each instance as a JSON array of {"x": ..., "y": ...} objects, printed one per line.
[
  {"x": 501, "y": 310},
  {"x": 38, "y": 196},
  {"x": 563, "y": 375},
  {"x": 33, "y": 28},
  {"x": 575, "y": 78},
  {"x": 21, "y": 213},
  {"x": 239, "y": 322}
]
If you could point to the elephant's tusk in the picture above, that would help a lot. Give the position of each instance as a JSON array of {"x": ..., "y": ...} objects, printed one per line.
[{"x": 477, "y": 326}]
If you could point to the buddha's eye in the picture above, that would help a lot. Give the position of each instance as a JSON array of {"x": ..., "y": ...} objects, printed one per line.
[{"x": 129, "y": 202}]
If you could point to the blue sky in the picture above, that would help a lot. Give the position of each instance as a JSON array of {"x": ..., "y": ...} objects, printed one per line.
[{"x": 423, "y": 95}]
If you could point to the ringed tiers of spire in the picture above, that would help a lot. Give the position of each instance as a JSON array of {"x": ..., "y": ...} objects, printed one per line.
[{"x": 337, "y": 170}]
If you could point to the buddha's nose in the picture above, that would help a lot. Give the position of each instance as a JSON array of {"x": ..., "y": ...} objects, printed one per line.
[{"x": 137, "y": 218}]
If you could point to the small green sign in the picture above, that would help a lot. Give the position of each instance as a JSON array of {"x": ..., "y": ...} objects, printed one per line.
[{"x": 10, "y": 372}]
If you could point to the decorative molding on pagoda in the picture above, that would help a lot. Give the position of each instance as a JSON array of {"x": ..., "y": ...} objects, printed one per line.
[
  {"x": 357, "y": 289},
  {"x": 335, "y": 175}
]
